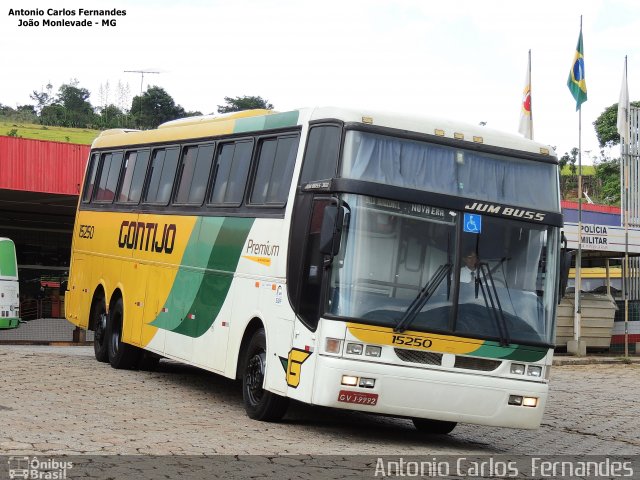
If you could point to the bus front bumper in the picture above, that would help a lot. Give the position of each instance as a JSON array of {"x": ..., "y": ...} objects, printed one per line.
[{"x": 464, "y": 397}]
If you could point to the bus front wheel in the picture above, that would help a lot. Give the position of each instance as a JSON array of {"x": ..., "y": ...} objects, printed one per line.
[
  {"x": 121, "y": 355},
  {"x": 259, "y": 403},
  {"x": 433, "y": 427},
  {"x": 99, "y": 322}
]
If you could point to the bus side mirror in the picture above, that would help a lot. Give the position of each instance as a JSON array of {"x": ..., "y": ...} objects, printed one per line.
[
  {"x": 331, "y": 230},
  {"x": 566, "y": 256}
]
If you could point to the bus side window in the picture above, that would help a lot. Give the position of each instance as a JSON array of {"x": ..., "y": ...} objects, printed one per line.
[
  {"x": 275, "y": 169},
  {"x": 91, "y": 178},
  {"x": 161, "y": 175},
  {"x": 194, "y": 174},
  {"x": 321, "y": 156},
  {"x": 231, "y": 171},
  {"x": 185, "y": 173},
  {"x": 135, "y": 167},
  {"x": 108, "y": 179}
]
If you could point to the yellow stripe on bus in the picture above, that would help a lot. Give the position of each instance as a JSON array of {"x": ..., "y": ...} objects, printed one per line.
[{"x": 415, "y": 340}]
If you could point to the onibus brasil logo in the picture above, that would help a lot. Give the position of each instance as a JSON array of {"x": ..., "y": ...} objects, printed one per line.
[{"x": 36, "y": 469}]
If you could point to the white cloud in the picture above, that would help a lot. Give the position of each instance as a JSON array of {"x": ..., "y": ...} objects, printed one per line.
[{"x": 460, "y": 59}]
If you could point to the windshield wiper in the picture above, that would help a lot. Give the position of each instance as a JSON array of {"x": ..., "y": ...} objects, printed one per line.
[
  {"x": 492, "y": 302},
  {"x": 423, "y": 297}
]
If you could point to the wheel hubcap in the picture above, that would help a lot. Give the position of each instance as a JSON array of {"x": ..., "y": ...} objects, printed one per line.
[{"x": 254, "y": 376}]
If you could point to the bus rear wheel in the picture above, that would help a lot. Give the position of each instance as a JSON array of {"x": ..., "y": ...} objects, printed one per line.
[
  {"x": 433, "y": 427},
  {"x": 99, "y": 321},
  {"x": 259, "y": 403},
  {"x": 121, "y": 355}
]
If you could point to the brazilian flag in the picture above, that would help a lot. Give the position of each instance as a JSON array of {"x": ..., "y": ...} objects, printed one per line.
[{"x": 576, "y": 82}]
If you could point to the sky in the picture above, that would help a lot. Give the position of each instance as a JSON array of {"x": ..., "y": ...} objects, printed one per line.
[{"x": 462, "y": 60}]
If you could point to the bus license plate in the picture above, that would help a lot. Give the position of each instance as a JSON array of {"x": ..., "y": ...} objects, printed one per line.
[{"x": 360, "y": 398}]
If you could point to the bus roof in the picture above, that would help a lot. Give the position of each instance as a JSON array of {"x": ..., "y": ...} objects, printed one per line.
[{"x": 256, "y": 120}]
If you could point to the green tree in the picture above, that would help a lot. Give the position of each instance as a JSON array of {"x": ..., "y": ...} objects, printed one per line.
[
  {"x": 111, "y": 117},
  {"x": 153, "y": 107},
  {"x": 6, "y": 110},
  {"x": 570, "y": 159},
  {"x": 54, "y": 114},
  {"x": 75, "y": 101},
  {"x": 43, "y": 98},
  {"x": 606, "y": 126},
  {"x": 238, "y": 104},
  {"x": 608, "y": 173}
]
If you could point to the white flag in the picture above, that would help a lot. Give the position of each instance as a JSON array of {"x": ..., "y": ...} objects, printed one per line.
[
  {"x": 526, "y": 117},
  {"x": 623, "y": 107}
]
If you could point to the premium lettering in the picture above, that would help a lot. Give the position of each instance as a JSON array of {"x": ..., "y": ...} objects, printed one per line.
[{"x": 262, "y": 249}]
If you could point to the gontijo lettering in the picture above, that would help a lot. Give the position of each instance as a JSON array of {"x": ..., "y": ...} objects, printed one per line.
[{"x": 147, "y": 236}]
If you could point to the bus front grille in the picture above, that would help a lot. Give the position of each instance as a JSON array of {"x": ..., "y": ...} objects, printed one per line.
[
  {"x": 474, "y": 363},
  {"x": 415, "y": 356}
]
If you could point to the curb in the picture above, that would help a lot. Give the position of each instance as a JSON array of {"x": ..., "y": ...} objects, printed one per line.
[{"x": 563, "y": 361}]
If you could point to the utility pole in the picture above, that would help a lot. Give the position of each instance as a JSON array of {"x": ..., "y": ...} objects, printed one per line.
[{"x": 142, "y": 73}]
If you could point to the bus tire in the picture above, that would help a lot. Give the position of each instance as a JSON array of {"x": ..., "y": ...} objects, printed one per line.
[
  {"x": 433, "y": 427},
  {"x": 121, "y": 355},
  {"x": 99, "y": 321},
  {"x": 259, "y": 403}
]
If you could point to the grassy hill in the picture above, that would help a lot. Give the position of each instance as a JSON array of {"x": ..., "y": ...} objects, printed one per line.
[
  {"x": 41, "y": 132},
  {"x": 586, "y": 170}
]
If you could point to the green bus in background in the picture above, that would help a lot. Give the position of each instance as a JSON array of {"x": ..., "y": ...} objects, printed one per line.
[{"x": 9, "y": 289}]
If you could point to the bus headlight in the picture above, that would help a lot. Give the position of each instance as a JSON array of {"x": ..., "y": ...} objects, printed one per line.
[
  {"x": 354, "y": 348},
  {"x": 534, "y": 371},
  {"x": 517, "y": 369},
  {"x": 333, "y": 345},
  {"x": 372, "y": 351},
  {"x": 349, "y": 380}
]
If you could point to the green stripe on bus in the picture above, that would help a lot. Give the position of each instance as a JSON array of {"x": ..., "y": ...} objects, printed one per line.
[
  {"x": 196, "y": 297},
  {"x": 7, "y": 259},
  {"x": 266, "y": 122},
  {"x": 214, "y": 287},
  {"x": 512, "y": 352}
]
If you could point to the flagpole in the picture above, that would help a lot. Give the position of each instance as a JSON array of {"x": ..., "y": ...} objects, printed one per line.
[
  {"x": 578, "y": 279},
  {"x": 577, "y": 325},
  {"x": 625, "y": 162},
  {"x": 530, "y": 100}
]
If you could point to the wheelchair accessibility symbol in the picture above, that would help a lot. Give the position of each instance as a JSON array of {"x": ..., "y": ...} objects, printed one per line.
[{"x": 472, "y": 223}]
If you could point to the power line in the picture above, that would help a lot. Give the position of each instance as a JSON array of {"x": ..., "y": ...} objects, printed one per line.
[{"x": 141, "y": 72}]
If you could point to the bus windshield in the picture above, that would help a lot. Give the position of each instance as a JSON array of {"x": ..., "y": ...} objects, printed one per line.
[
  {"x": 413, "y": 266},
  {"x": 452, "y": 171}
]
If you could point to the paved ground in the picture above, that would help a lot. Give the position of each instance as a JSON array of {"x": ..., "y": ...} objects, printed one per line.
[
  {"x": 59, "y": 400},
  {"x": 42, "y": 330}
]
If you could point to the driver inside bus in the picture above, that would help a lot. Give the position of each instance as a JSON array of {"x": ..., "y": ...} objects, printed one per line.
[{"x": 469, "y": 271}]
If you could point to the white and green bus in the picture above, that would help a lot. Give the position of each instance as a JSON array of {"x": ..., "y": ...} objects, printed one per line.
[
  {"x": 321, "y": 255},
  {"x": 9, "y": 287}
]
